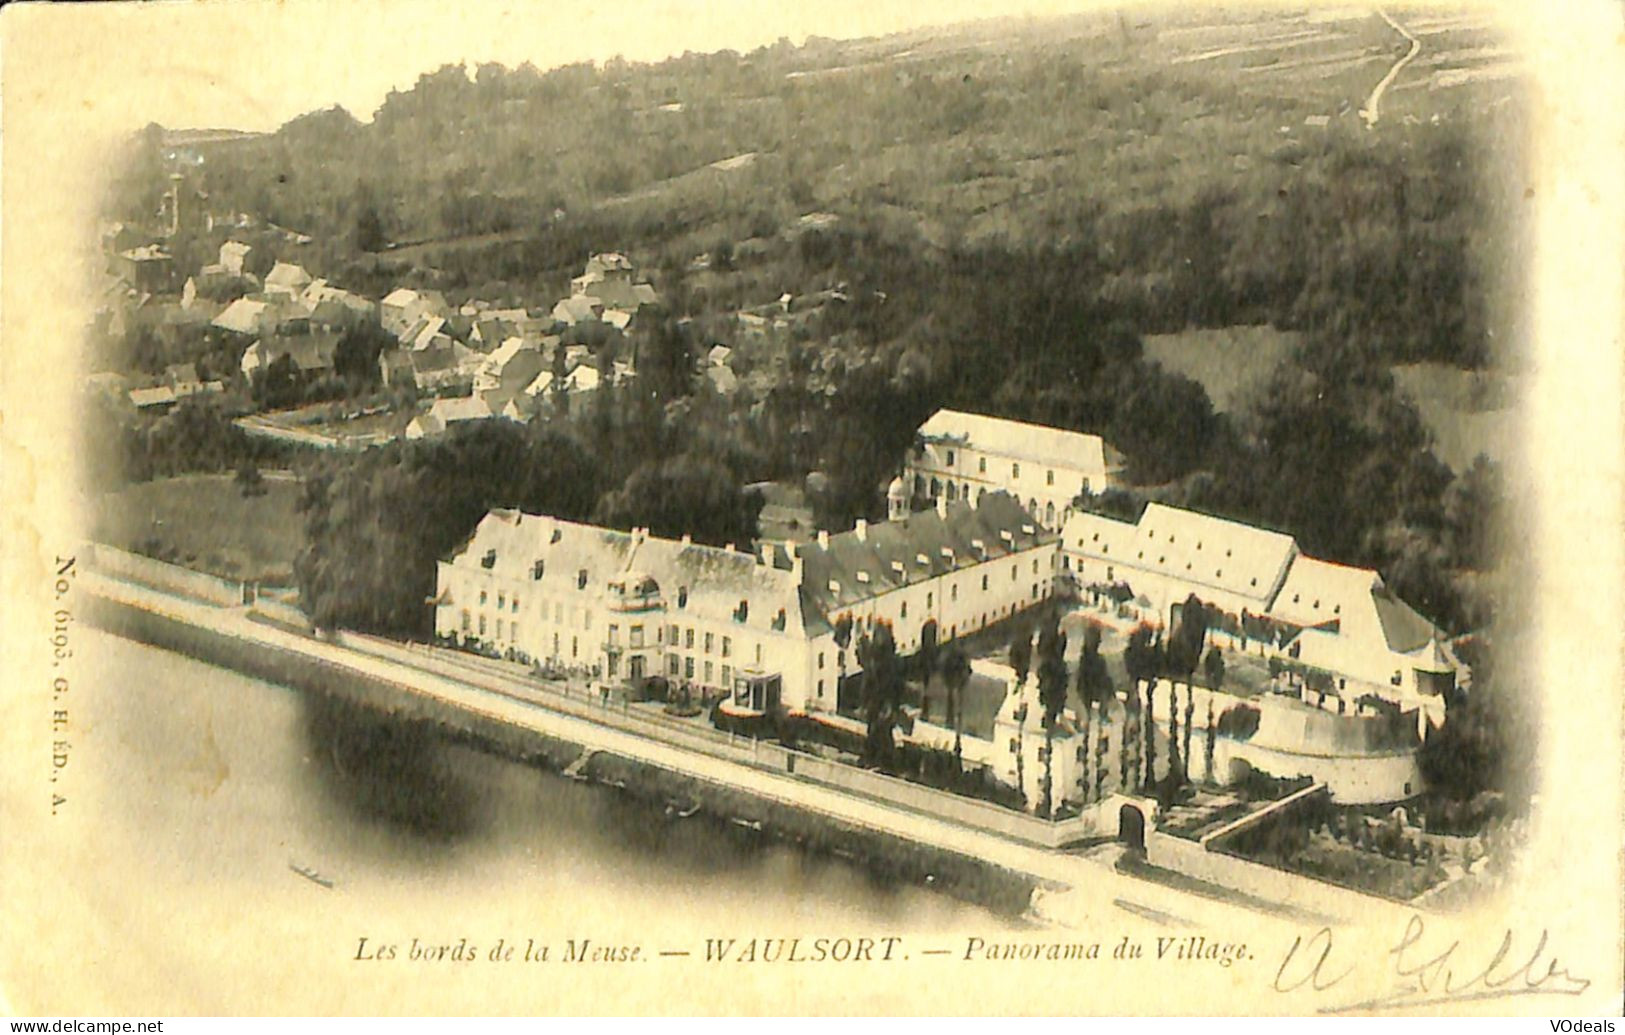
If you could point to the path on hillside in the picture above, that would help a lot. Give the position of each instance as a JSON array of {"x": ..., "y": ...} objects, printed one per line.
[{"x": 1372, "y": 110}]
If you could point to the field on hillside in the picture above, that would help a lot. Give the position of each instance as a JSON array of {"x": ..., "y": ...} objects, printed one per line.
[
  {"x": 1000, "y": 127},
  {"x": 1468, "y": 412},
  {"x": 1226, "y": 361},
  {"x": 203, "y": 521}
]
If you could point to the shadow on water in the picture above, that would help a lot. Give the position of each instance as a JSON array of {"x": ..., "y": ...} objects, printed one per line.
[{"x": 389, "y": 769}]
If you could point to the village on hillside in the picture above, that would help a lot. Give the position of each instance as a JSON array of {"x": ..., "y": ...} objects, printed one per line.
[{"x": 1034, "y": 585}]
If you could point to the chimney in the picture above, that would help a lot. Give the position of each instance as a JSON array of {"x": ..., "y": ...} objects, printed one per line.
[
  {"x": 688, "y": 540},
  {"x": 823, "y": 539},
  {"x": 862, "y": 529}
]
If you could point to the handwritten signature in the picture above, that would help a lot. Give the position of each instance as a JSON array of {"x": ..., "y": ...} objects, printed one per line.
[{"x": 1425, "y": 970}]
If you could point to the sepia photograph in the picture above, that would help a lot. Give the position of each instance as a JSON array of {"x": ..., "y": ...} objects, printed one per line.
[{"x": 895, "y": 509}]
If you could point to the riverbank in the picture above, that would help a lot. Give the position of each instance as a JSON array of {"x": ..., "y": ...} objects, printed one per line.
[
  {"x": 888, "y": 858},
  {"x": 1082, "y": 887}
]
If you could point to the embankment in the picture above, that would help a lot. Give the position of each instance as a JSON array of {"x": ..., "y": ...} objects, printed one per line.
[{"x": 889, "y": 858}]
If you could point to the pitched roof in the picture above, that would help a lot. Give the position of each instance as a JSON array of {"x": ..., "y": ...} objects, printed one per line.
[
  {"x": 162, "y": 395},
  {"x": 576, "y": 308},
  {"x": 710, "y": 581},
  {"x": 287, "y": 275},
  {"x": 540, "y": 383},
  {"x": 466, "y": 407},
  {"x": 425, "y": 333},
  {"x": 1018, "y": 439},
  {"x": 853, "y": 568},
  {"x": 400, "y": 298},
  {"x": 242, "y": 316},
  {"x": 1403, "y": 628},
  {"x": 1212, "y": 551},
  {"x": 584, "y": 378},
  {"x": 1095, "y": 535},
  {"x": 1316, "y": 592}
]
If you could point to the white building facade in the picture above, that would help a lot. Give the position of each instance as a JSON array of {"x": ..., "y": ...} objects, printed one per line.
[
  {"x": 959, "y": 456},
  {"x": 1275, "y": 600},
  {"x": 760, "y": 629}
]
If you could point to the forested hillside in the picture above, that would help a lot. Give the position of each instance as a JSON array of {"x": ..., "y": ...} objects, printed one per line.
[{"x": 1013, "y": 206}]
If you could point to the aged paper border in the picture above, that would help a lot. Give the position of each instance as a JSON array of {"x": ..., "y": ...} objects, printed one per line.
[{"x": 74, "y": 74}]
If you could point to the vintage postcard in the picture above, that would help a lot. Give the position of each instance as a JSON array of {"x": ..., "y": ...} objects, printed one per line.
[{"x": 767, "y": 508}]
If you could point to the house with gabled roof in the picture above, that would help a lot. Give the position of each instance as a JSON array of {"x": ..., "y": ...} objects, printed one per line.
[
  {"x": 404, "y": 308},
  {"x": 247, "y": 316},
  {"x": 286, "y": 280},
  {"x": 957, "y": 453},
  {"x": 510, "y": 368},
  {"x": 446, "y": 412}
]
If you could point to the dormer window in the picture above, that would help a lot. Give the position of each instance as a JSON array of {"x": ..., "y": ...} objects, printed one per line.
[
  {"x": 1219, "y": 574},
  {"x": 1317, "y": 604},
  {"x": 1253, "y": 582},
  {"x": 742, "y": 612},
  {"x": 557, "y": 535},
  {"x": 897, "y": 567},
  {"x": 921, "y": 559},
  {"x": 834, "y": 586},
  {"x": 536, "y": 569},
  {"x": 489, "y": 560},
  {"x": 1337, "y": 609},
  {"x": 1198, "y": 544},
  {"x": 863, "y": 577},
  {"x": 1294, "y": 598},
  {"x": 682, "y": 596},
  {"x": 778, "y": 621},
  {"x": 581, "y": 579}
]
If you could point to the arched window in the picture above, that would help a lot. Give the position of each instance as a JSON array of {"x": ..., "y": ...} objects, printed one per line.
[
  {"x": 1049, "y": 513},
  {"x": 953, "y": 492},
  {"x": 936, "y": 488}
]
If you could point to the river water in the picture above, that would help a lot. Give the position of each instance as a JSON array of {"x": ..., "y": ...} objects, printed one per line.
[{"x": 206, "y": 785}]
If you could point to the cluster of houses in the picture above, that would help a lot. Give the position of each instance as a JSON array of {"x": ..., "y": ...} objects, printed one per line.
[
  {"x": 516, "y": 364},
  {"x": 481, "y": 361}
]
